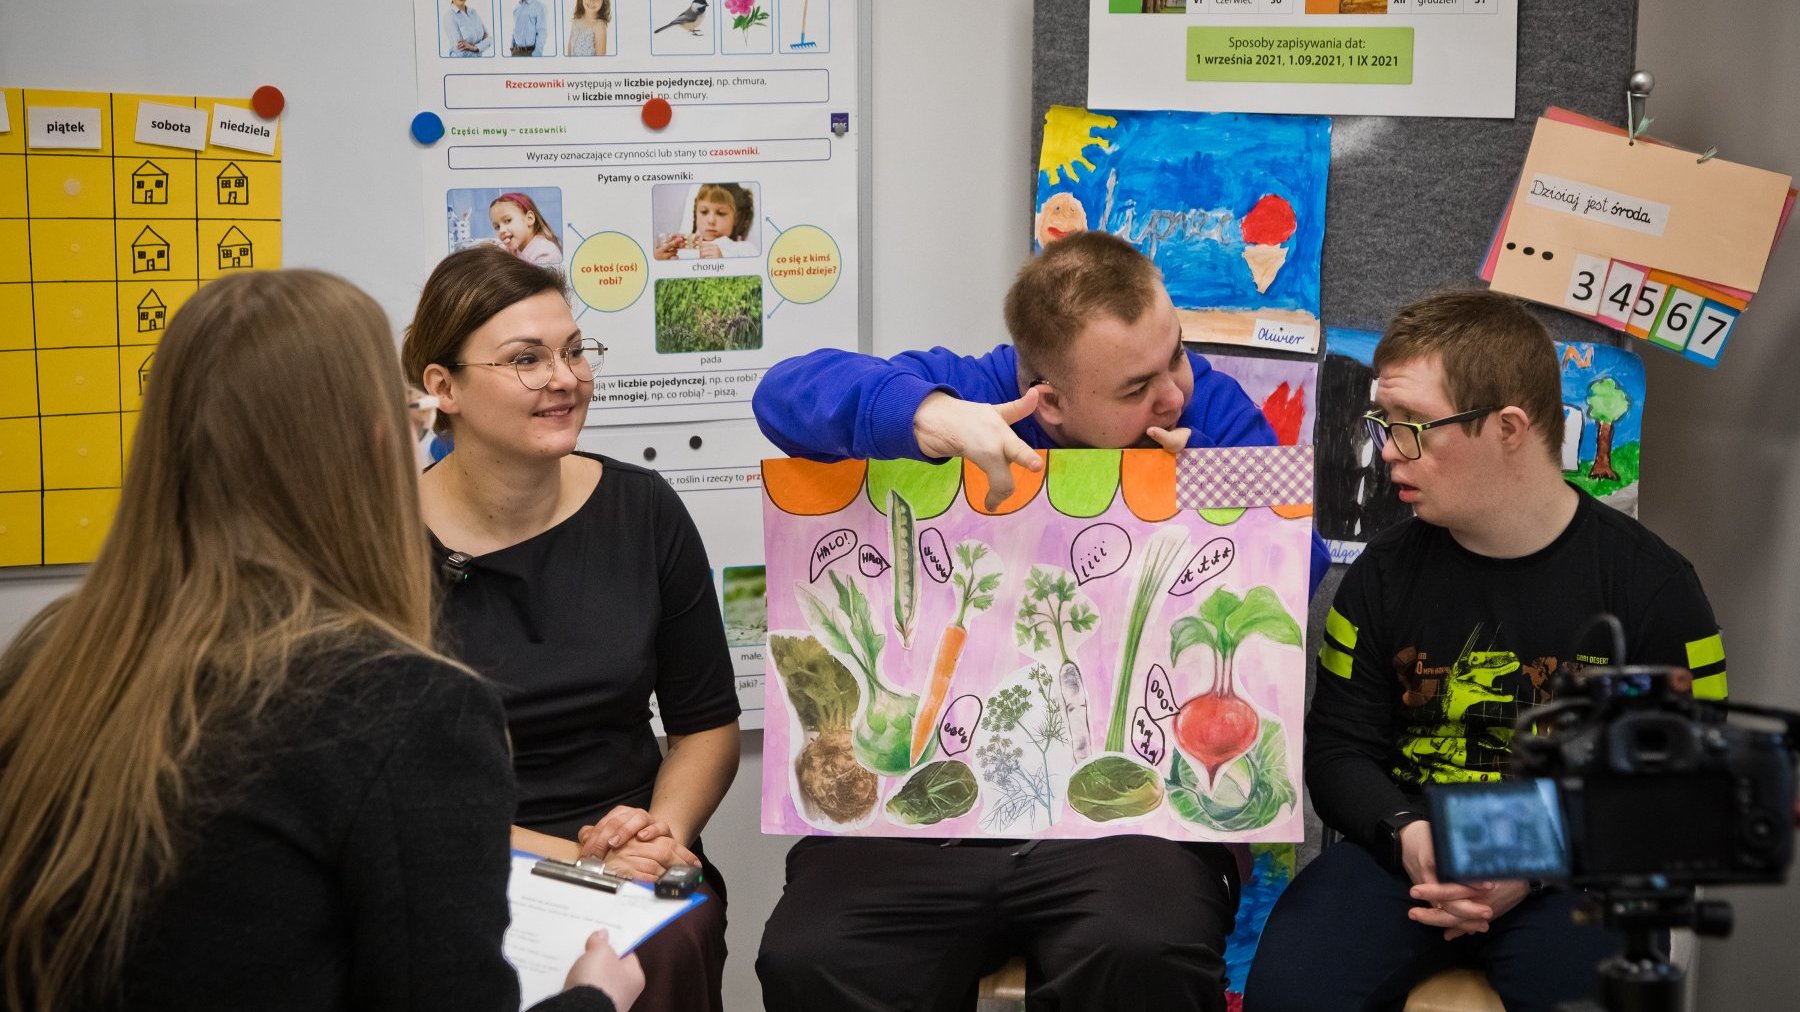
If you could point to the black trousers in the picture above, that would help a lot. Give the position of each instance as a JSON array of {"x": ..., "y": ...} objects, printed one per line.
[
  {"x": 1128, "y": 922},
  {"x": 1339, "y": 938}
]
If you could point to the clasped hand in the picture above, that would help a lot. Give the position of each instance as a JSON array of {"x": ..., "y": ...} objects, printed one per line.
[
  {"x": 634, "y": 844},
  {"x": 1458, "y": 908}
]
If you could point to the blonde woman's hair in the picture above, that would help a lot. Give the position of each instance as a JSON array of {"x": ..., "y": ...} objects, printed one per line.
[{"x": 270, "y": 511}]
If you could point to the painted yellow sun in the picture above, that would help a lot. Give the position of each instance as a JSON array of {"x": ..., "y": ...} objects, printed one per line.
[{"x": 1069, "y": 131}]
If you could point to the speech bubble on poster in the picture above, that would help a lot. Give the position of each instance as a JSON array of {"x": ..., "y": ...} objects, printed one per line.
[
  {"x": 609, "y": 271},
  {"x": 804, "y": 264},
  {"x": 831, "y": 548},
  {"x": 1100, "y": 550}
]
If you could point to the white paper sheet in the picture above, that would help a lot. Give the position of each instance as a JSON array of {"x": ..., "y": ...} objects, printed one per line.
[{"x": 552, "y": 919}]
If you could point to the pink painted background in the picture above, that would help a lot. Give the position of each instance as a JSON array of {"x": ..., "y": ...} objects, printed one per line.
[{"x": 1271, "y": 551}]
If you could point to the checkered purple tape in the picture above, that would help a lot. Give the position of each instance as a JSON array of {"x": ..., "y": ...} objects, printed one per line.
[{"x": 1244, "y": 476}]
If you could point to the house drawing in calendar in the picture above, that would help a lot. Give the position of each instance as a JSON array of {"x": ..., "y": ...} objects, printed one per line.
[{"x": 99, "y": 248}]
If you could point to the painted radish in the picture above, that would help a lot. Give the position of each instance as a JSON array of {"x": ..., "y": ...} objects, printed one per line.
[
  {"x": 1218, "y": 725},
  {"x": 1215, "y": 728}
]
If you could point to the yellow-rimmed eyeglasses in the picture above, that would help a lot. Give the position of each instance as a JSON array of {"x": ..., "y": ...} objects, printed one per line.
[
  {"x": 1409, "y": 437},
  {"x": 536, "y": 365}
]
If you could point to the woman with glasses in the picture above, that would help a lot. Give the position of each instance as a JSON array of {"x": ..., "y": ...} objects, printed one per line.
[
  {"x": 579, "y": 584},
  {"x": 234, "y": 773}
]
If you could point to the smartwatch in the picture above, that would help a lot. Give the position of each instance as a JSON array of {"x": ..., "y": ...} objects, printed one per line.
[{"x": 1392, "y": 825}]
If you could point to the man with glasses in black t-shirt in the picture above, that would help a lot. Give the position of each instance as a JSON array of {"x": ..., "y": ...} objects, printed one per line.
[{"x": 1445, "y": 630}]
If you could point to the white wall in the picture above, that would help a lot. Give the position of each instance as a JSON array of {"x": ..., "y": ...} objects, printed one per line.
[
  {"x": 951, "y": 186},
  {"x": 1723, "y": 482}
]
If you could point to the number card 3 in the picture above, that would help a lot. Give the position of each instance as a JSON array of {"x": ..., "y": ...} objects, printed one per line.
[{"x": 1586, "y": 284}]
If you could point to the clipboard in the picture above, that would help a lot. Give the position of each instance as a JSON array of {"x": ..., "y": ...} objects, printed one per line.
[{"x": 556, "y": 906}]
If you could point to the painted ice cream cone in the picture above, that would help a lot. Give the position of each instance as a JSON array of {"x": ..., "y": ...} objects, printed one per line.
[
  {"x": 1264, "y": 261},
  {"x": 1268, "y": 225}
]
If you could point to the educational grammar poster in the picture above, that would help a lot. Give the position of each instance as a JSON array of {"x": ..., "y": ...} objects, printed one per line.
[{"x": 691, "y": 167}]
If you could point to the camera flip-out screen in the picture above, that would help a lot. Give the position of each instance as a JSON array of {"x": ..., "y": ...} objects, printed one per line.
[{"x": 1508, "y": 830}]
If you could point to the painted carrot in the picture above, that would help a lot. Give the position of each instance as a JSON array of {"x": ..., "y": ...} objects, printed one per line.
[{"x": 976, "y": 594}]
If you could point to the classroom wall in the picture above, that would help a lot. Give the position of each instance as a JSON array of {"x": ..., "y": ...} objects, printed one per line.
[
  {"x": 951, "y": 191},
  {"x": 1725, "y": 488},
  {"x": 1723, "y": 483}
]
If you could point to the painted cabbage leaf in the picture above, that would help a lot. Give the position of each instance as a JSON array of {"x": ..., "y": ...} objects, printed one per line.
[
  {"x": 938, "y": 791},
  {"x": 1250, "y": 793},
  {"x": 1114, "y": 787}
]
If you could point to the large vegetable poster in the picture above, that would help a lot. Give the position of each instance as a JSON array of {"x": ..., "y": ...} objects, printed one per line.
[
  {"x": 1230, "y": 207},
  {"x": 1117, "y": 648}
]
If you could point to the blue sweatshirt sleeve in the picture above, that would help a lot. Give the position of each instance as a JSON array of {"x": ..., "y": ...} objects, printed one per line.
[{"x": 830, "y": 404}]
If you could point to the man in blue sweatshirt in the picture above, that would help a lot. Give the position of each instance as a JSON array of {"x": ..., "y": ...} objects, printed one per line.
[{"x": 1126, "y": 922}]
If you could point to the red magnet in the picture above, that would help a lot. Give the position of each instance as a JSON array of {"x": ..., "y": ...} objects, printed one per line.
[
  {"x": 268, "y": 101},
  {"x": 657, "y": 113}
]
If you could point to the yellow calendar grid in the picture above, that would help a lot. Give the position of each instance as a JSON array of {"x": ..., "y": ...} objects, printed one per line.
[{"x": 98, "y": 248}]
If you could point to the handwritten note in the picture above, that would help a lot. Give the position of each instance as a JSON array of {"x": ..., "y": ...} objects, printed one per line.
[{"x": 1597, "y": 203}]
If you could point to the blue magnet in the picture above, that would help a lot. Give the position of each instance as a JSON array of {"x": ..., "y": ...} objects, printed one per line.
[{"x": 427, "y": 128}]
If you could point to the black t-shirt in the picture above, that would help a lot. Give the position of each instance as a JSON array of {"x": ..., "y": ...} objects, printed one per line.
[
  {"x": 578, "y": 626},
  {"x": 1431, "y": 651}
]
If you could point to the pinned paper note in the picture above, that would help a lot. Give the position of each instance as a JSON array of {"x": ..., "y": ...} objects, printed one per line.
[
  {"x": 5, "y": 115},
  {"x": 63, "y": 127},
  {"x": 1642, "y": 237},
  {"x": 173, "y": 126}
]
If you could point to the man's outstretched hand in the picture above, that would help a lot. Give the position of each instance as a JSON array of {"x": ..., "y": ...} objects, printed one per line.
[{"x": 982, "y": 434}]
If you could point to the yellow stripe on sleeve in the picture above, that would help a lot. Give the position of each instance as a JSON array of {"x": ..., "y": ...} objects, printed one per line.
[
  {"x": 1700, "y": 653},
  {"x": 1337, "y": 662},
  {"x": 1340, "y": 629},
  {"x": 1710, "y": 687}
]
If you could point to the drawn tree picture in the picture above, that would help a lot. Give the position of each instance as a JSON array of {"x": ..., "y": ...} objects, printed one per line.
[{"x": 1607, "y": 402}]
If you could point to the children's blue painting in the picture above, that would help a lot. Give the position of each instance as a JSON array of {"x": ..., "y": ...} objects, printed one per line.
[
  {"x": 1230, "y": 206},
  {"x": 1603, "y": 408},
  {"x": 1271, "y": 869}
]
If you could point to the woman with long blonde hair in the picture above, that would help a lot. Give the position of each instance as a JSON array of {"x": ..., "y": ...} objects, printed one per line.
[{"x": 233, "y": 772}]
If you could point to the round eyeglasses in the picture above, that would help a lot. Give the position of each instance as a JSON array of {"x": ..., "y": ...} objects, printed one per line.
[
  {"x": 536, "y": 365},
  {"x": 1409, "y": 437}
]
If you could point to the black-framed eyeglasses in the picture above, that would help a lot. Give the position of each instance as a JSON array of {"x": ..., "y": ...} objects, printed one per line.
[
  {"x": 1409, "y": 437},
  {"x": 536, "y": 365}
]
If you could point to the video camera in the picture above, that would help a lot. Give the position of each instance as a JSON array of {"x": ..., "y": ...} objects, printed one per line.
[
  {"x": 1627, "y": 780},
  {"x": 1630, "y": 788}
]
